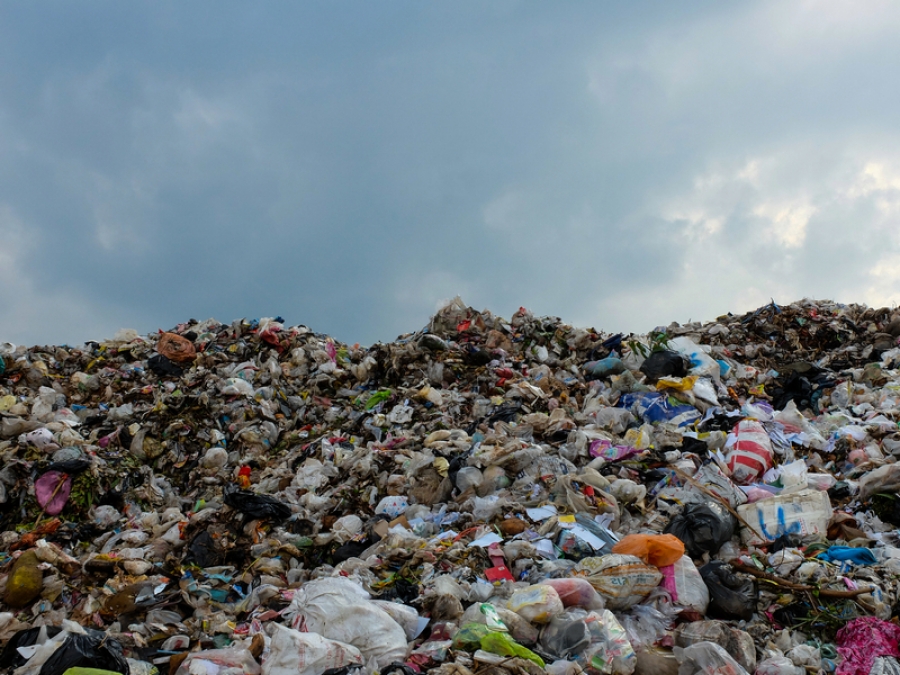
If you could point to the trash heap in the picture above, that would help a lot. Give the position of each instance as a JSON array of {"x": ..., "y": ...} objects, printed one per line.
[{"x": 482, "y": 497}]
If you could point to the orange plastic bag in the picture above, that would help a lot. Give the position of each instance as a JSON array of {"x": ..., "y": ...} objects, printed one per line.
[
  {"x": 176, "y": 348},
  {"x": 658, "y": 550}
]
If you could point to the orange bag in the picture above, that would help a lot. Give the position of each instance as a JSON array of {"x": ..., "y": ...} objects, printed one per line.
[
  {"x": 658, "y": 550},
  {"x": 176, "y": 348}
]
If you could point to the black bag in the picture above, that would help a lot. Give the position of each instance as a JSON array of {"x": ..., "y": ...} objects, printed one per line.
[
  {"x": 163, "y": 367},
  {"x": 731, "y": 595},
  {"x": 664, "y": 364},
  {"x": 10, "y": 658},
  {"x": 257, "y": 506},
  {"x": 702, "y": 527},
  {"x": 94, "y": 650},
  {"x": 203, "y": 551}
]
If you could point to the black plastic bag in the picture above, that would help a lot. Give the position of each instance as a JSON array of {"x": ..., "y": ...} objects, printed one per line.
[
  {"x": 203, "y": 551},
  {"x": 257, "y": 506},
  {"x": 163, "y": 367},
  {"x": 664, "y": 364},
  {"x": 94, "y": 650},
  {"x": 731, "y": 595},
  {"x": 70, "y": 466},
  {"x": 702, "y": 527},
  {"x": 10, "y": 658}
]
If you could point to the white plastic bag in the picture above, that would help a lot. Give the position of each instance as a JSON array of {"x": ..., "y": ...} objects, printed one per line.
[
  {"x": 341, "y": 610},
  {"x": 537, "y": 604},
  {"x": 228, "y": 661},
  {"x": 685, "y": 585},
  {"x": 294, "y": 653},
  {"x": 706, "y": 658}
]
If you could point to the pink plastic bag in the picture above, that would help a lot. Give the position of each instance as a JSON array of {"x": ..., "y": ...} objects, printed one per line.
[
  {"x": 52, "y": 491},
  {"x": 576, "y": 592},
  {"x": 862, "y": 641},
  {"x": 750, "y": 456}
]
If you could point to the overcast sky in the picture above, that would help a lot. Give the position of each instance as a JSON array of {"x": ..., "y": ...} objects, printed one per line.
[{"x": 350, "y": 165}]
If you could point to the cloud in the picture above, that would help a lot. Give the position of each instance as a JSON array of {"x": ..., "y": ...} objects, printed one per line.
[{"x": 619, "y": 167}]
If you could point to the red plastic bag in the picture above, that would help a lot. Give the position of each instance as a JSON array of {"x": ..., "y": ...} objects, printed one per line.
[{"x": 750, "y": 455}]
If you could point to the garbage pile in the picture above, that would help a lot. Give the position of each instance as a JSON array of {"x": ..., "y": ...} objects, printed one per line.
[{"x": 481, "y": 497}]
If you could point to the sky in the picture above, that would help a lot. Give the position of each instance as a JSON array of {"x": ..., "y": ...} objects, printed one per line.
[{"x": 350, "y": 166}]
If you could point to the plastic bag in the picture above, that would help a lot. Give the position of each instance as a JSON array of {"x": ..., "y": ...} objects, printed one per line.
[
  {"x": 406, "y": 616},
  {"x": 778, "y": 665},
  {"x": 707, "y": 658},
  {"x": 229, "y": 661},
  {"x": 339, "y": 609},
  {"x": 161, "y": 366},
  {"x": 294, "y": 653},
  {"x": 566, "y": 636},
  {"x": 658, "y": 550},
  {"x": 11, "y": 658},
  {"x": 644, "y": 625},
  {"x": 701, "y": 363},
  {"x": 622, "y": 580},
  {"x": 794, "y": 476},
  {"x": 862, "y": 640},
  {"x": 91, "y": 649},
  {"x": 664, "y": 364},
  {"x": 702, "y": 527},
  {"x": 537, "y": 604},
  {"x": 521, "y": 631},
  {"x": 576, "y": 592},
  {"x": 176, "y": 348},
  {"x": 750, "y": 452},
  {"x": 737, "y": 643},
  {"x": 731, "y": 595},
  {"x": 257, "y": 506},
  {"x": 684, "y": 583},
  {"x": 496, "y": 642},
  {"x": 610, "y": 652}
]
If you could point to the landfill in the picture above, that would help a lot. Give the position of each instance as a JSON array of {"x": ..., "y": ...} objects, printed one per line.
[{"x": 481, "y": 497}]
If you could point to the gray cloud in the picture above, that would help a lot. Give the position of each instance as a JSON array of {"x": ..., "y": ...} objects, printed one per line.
[{"x": 350, "y": 166}]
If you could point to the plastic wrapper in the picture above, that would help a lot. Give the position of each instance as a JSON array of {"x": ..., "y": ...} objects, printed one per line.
[
  {"x": 294, "y": 653},
  {"x": 658, "y": 550},
  {"x": 622, "y": 580}
]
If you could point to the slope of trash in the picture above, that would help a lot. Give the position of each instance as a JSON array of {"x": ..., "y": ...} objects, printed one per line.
[{"x": 484, "y": 496}]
